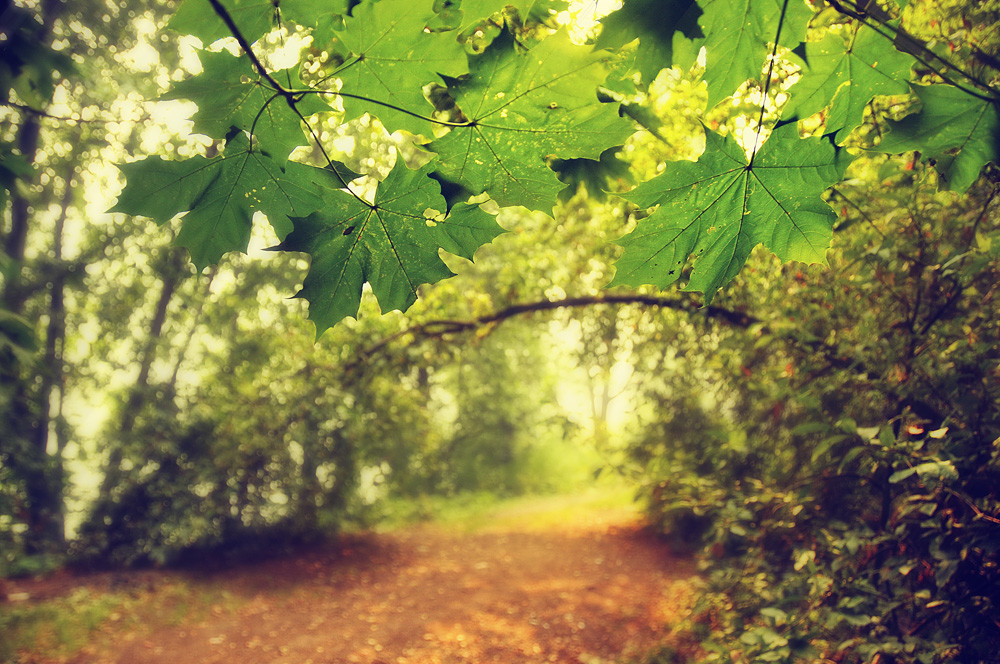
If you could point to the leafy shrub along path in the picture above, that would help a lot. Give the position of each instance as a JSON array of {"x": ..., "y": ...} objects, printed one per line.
[{"x": 574, "y": 592}]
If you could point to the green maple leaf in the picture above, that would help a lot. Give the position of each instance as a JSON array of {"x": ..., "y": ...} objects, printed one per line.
[
  {"x": 959, "y": 131},
  {"x": 389, "y": 57},
  {"x": 229, "y": 93},
  {"x": 308, "y": 13},
  {"x": 475, "y": 12},
  {"x": 253, "y": 18},
  {"x": 737, "y": 37},
  {"x": 220, "y": 196},
  {"x": 489, "y": 15},
  {"x": 524, "y": 108},
  {"x": 722, "y": 206},
  {"x": 850, "y": 72},
  {"x": 389, "y": 244},
  {"x": 653, "y": 23}
]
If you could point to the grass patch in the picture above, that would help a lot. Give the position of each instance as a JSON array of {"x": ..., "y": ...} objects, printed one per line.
[
  {"x": 470, "y": 512},
  {"x": 58, "y": 627},
  {"x": 601, "y": 503},
  {"x": 20, "y": 566},
  {"x": 66, "y": 627}
]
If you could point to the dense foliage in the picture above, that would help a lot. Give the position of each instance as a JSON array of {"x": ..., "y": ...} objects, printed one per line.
[
  {"x": 826, "y": 437},
  {"x": 497, "y": 100},
  {"x": 843, "y": 481}
]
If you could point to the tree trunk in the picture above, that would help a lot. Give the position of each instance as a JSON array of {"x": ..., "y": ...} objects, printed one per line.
[
  {"x": 182, "y": 351},
  {"x": 28, "y": 135},
  {"x": 27, "y": 419},
  {"x": 138, "y": 395},
  {"x": 20, "y": 216},
  {"x": 50, "y": 492}
]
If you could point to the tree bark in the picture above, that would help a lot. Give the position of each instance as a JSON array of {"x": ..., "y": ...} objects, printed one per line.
[
  {"x": 27, "y": 418},
  {"x": 138, "y": 395},
  {"x": 52, "y": 378},
  {"x": 182, "y": 352}
]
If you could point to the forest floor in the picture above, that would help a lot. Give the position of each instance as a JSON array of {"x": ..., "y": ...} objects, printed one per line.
[{"x": 533, "y": 585}]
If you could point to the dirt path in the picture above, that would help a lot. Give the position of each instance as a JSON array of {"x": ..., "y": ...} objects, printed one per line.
[{"x": 584, "y": 593}]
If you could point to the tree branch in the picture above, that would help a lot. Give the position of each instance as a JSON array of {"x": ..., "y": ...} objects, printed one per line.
[
  {"x": 58, "y": 118},
  {"x": 440, "y": 328},
  {"x": 878, "y": 19},
  {"x": 261, "y": 69},
  {"x": 733, "y": 318}
]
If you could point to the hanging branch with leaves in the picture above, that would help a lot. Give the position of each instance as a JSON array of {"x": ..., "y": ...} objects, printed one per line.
[{"x": 500, "y": 97}]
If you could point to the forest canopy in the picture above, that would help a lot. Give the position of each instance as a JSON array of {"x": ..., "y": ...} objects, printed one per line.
[
  {"x": 743, "y": 254},
  {"x": 498, "y": 107}
]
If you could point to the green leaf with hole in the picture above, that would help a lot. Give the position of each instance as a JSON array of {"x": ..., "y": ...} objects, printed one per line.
[
  {"x": 389, "y": 56},
  {"x": 475, "y": 12}
]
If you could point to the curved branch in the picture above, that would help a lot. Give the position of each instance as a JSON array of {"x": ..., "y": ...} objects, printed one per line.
[
  {"x": 440, "y": 328},
  {"x": 737, "y": 319}
]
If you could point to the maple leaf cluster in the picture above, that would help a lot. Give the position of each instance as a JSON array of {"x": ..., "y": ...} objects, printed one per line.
[{"x": 520, "y": 102}]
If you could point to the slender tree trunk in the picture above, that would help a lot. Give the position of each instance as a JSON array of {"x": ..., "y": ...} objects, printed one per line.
[
  {"x": 52, "y": 529},
  {"x": 28, "y": 135},
  {"x": 20, "y": 217},
  {"x": 27, "y": 417},
  {"x": 182, "y": 352},
  {"x": 344, "y": 472},
  {"x": 138, "y": 395},
  {"x": 600, "y": 388},
  {"x": 310, "y": 490}
]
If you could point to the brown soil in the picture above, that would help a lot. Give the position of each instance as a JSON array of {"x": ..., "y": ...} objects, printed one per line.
[{"x": 573, "y": 592}]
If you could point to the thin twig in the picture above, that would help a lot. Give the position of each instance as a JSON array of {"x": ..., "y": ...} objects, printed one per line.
[
  {"x": 59, "y": 118},
  {"x": 857, "y": 207},
  {"x": 385, "y": 104},
  {"x": 293, "y": 96},
  {"x": 767, "y": 83},
  {"x": 972, "y": 506},
  {"x": 877, "y": 23}
]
